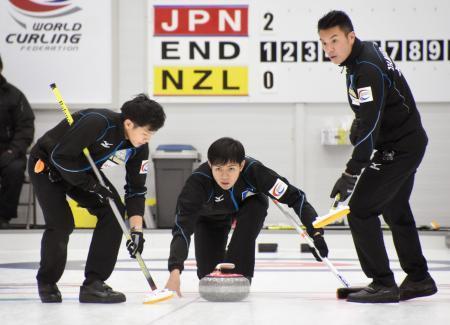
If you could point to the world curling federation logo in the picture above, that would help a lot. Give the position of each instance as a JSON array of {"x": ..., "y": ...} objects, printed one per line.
[{"x": 46, "y": 25}]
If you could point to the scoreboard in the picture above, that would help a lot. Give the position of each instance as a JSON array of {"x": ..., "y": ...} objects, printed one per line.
[{"x": 261, "y": 51}]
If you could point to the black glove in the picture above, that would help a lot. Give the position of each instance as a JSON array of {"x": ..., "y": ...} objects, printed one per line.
[
  {"x": 344, "y": 186},
  {"x": 103, "y": 192},
  {"x": 6, "y": 157},
  {"x": 321, "y": 245},
  {"x": 136, "y": 244}
]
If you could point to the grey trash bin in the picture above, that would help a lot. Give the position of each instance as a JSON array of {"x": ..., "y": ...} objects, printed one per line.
[{"x": 173, "y": 163}]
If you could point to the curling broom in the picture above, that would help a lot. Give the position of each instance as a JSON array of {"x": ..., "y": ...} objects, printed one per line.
[
  {"x": 341, "y": 293},
  {"x": 336, "y": 212}
]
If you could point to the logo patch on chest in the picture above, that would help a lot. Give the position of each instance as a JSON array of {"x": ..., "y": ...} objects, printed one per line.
[{"x": 246, "y": 194}]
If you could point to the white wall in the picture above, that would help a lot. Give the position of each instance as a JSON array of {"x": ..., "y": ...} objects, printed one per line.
[{"x": 286, "y": 137}]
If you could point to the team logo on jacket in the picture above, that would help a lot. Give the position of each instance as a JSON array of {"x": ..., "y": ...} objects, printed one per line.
[
  {"x": 365, "y": 94},
  {"x": 144, "y": 167},
  {"x": 106, "y": 144},
  {"x": 278, "y": 189},
  {"x": 375, "y": 166},
  {"x": 246, "y": 194},
  {"x": 218, "y": 199}
]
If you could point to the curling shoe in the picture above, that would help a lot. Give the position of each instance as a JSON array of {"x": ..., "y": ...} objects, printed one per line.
[
  {"x": 100, "y": 293},
  {"x": 376, "y": 293},
  {"x": 413, "y": 289},
  {"x": 49, "y": 293}
]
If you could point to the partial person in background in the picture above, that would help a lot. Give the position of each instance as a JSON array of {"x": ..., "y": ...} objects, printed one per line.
[
  {"x": 386, "y": 121},
  {"x": 58, "y": 167},
  {"x": 230, "y": 187},
  {"x": 16, "y": 135}
]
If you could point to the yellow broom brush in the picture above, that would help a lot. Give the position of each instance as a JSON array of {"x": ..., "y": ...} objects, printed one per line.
[{"x": 336, "y": 212}]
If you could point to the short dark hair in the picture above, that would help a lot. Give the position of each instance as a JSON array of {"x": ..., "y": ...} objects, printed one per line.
[
  {"x": 335, "y": 18},
  {"x": 226, "y": 150},
  {"x": 144, "y": 111}
]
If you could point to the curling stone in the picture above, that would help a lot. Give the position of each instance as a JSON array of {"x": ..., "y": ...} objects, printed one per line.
[{"x": 224, "y": 287}]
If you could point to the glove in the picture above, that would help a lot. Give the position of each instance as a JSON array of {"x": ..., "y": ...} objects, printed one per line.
[
  {"x": 321, "y": 245},
  {"x": 102, "y": 192},
  {"x": 6, "y": 157},
  {"x": 354, "y": 131},
  {"x": 344, "y": 186},
  {"x": 136, "y": 244}
]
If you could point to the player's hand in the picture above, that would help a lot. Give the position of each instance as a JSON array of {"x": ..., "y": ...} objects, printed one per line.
[
  {"x": 321, "y": 245},
  {"x": 102, "y": 192},
  {"x": 136, "y": 244},
  {"x": 344, "y": 186},
  {"x": 174, "y": 283}
]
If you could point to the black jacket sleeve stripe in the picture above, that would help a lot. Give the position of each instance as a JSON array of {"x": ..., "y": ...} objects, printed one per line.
[{"x": 181, "y": 230}]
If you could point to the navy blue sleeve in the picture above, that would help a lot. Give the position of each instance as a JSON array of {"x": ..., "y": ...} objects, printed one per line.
[
  {"x": 136, "y": 176},
  {"x": 193, "y": 196},
  {"x": 277, "y": 187}
]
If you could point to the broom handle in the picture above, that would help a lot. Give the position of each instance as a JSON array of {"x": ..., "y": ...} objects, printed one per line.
[
  {"x": 336, "y": 201},
  {"x": 309, "y": 241},
  {"x": 112, "y": 204}
]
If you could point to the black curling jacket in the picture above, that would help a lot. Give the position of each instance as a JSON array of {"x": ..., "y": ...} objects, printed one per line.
[
  {"x": 102, "y": 132},
  {"x": 16, "y": 120},
  {"x": 386, "y": 115},
  {"x": 202, "y": 196}
]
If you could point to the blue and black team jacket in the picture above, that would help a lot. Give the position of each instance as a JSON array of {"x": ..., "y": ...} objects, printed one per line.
[
  {"x": 102, "y": 132},
  {"x": 202, "y": 196},
  {"x": 386, "y": 116}
]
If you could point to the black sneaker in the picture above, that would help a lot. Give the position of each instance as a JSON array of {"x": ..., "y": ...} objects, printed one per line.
[
  {"x": 49, "y": 292},
  {"x": 376, "y": 293},
  {"x": 413, "y": 289},
  {"x": 99, "y": 292}
]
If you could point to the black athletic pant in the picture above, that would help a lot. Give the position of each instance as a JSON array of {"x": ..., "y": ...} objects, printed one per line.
[
  {"x": 59, "y": 225},
  {"x": 211, "y": 235},
  {"x": 11, "y": 180},
  {"x": 384, "y": 188}
]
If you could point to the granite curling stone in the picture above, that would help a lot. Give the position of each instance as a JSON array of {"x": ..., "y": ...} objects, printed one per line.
[{"x": 224, "y": 287}]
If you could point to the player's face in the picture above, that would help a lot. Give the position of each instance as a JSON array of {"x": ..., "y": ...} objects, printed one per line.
[
  {"x": 137, "y": 135},
  {"x": 336, "y": 44},
  {"x": 227, "y": 175}
]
